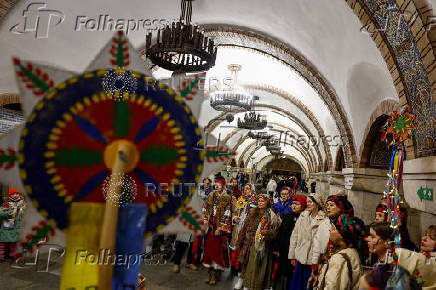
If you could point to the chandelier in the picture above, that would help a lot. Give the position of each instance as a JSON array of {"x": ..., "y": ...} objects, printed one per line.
[
  {"x": 234, "y": 98},
  {"x": 252, "y": 121},
  {"x": 181, "y": 47}
]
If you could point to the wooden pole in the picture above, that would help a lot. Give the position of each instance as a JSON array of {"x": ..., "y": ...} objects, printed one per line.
[{"x": 110, "y": 220}]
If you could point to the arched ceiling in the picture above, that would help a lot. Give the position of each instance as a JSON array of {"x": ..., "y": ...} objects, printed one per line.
[{"x": 324, "y": 34}]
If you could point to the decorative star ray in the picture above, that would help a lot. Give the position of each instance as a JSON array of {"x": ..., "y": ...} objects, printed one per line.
[{"x": 66, "y": 149}]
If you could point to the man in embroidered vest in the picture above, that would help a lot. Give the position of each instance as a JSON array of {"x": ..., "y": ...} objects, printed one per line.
[{"x": 217, "y": 219}]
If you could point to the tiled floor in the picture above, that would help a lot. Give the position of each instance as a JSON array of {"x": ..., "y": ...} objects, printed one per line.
[{"x": 158, "y": 278}]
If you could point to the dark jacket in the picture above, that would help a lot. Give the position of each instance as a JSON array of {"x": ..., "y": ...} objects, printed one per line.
[{"x": 281, "y": 243}]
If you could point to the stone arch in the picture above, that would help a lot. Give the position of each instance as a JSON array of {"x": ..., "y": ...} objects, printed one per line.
[
  {"x": 243, "y": 153},
  {"x": 384, "y": 108},
  {"x": 287, "y": 156},
  {"x": 406, "y": 50},
  {"x": 376, "y": 153},
  {"x": 232, "y": 35},
  {"x": 420, "y": 35},
  {"x": 288, "y": 114},
  {"x": 309, "y": 152}
]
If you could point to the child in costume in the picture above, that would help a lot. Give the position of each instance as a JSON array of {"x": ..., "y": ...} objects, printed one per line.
[{"x": 11, "y": 213}]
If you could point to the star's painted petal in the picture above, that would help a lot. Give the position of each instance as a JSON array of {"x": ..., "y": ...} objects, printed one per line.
[
  {"x": 119, "y": 52},
  {"x": 36, "y": 81},
  {"x": 89, "y": 129},
  {"x": 146, "y": 179},
  {"x": 77, "y": 157},
  {"x": 159, "y": 155},
  {"x": 147, "y": 129},
  {"x": 121, "y": 119},
  {"x": 190, "y": 88},
  {"x": 91, "y": 185}
]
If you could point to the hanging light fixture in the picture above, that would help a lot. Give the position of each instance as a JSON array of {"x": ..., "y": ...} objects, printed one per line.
[
  {"x": 252, "y": 121},
  {"x": 181, "y": 47},
  {"x": 233, "y": 98}
]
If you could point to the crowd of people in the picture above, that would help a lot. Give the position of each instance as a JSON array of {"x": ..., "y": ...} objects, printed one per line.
[
  {"x": 298, "y": 241},
  {"x": 303, "y": 242}
]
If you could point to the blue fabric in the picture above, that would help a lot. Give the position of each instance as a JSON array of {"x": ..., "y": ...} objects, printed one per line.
[
  {"x": 301, "y": 277},
  {"x": 282, "y": 209},
  {"x": 129, "y": 243}
]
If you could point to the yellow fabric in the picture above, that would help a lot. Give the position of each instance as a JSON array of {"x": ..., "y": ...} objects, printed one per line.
[
  {"x": 412, "y": 261},
  {"x": 83, "y": 237}
]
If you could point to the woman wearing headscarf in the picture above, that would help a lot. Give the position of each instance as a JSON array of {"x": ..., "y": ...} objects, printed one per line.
[
  {"x": 241, "y": 208},
  {"x": 302, "y": 241},
  {"x": 255, "y": 241},
  {"x": 343, "y": 269},
  {"x": 284, "y": 270},
  {"x": 335, "y": 206}
]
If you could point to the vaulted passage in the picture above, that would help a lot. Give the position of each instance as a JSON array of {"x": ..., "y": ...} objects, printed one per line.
[{"x": 114, "y": 114}]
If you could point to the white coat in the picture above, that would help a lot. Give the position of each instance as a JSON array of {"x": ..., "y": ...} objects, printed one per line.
[
  {"x": 321, "y": 240},
  {"x": 336, "y": 274},
  {"x": 301, "y": 243}
]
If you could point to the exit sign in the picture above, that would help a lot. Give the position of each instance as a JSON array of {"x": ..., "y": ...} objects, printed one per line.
[{"x": 425, "y": 193}]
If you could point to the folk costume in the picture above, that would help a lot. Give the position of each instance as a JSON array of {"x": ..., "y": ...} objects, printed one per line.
[
  {"x": 255, "y": 248},
  {"x": 11, "y": 214},
  {"x": 282, "y": 273},
  {"x": 343, "y": 268},
  {"x": 217, "y": 212},
  {"x": 240, "y": 209}
]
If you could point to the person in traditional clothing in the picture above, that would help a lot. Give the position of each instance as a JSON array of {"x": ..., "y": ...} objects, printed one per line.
[
  {"x": 302, "y": 241},
  {"x": 234, "y": 189},
  {"x": 11, "y": 214},
  {"x": 255, "y": 243},
  {"x": 378, "y": 241},
  {"x": 422, "y": 265},
  {"x": 343, "y": 269},
  {"x": 217, "y": 218},
  {"x": 381, "y": 216},
  {"x": 241, "y": 209},
  {"x": 335, "y": 206},
  {"x": 283, "y": 272}
]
